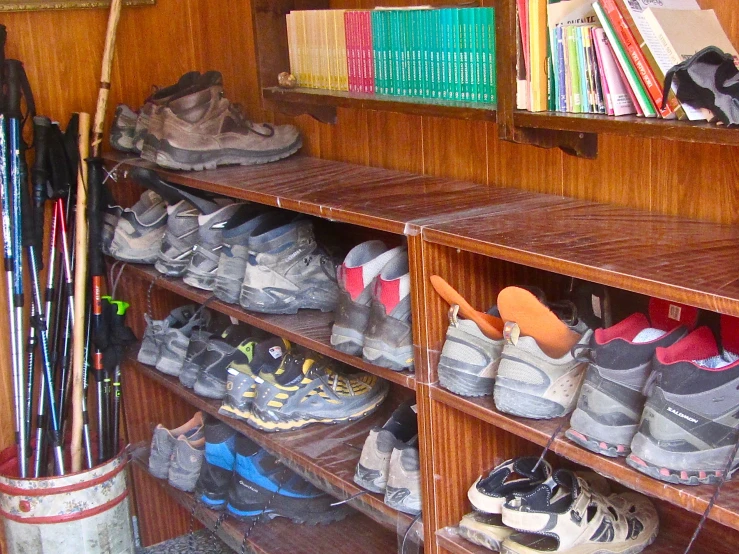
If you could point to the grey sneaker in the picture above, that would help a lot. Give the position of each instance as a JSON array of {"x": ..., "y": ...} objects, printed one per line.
[
  {"x": 403, "y": 491},
  {"x": 220, "y": 352},
  {"x": 469, "y": 359},
  {"x": 356, "y": 278},
  {"x": 111, "y": 215},
  {"x": 235, "y": 251},
  {"x": 287, "y": 271},
  {"x": 187, "y": 458},
  {"x": 123, "y": 128},
  {"x": 201, "y": 272},
  {"x": 175, "y": 341},
  {"x": 388, "y": 341},
  {"x": 373, "y": 468},
  {"x": 163, "y": 442},
  {"x": 155, "y": 330},
  {"x": 140, "y": 230},
  {"x": 179, "y": 239}
]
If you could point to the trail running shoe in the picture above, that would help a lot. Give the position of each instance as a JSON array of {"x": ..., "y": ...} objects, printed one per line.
[
  {"x": 356, "y": 278},
  {"x": 140, "y": 230},
  {"x": 262, "y": 358},
  {"x": 287, "y": 271},
  {"x": 175, "y": 341},
  {"x": 403, "y": 490},
  {"x": 689, "y": 425},
  {"x": 611, "y": 400},
  {"x": 199, "y": 338},
  {"x": 156, "y": 329},
  {"x": 211, "y": 381},
  {"x": 111, "y": 215},
  {"x": 163, "y": 442},
  {"x": 123, "y": 128},
  {"x": 388, "y": 341},
  {"x": 374, "y": 464},
  {"x": 179, "y": 240},
  {"x": 217, "y": 470},
  {"x": 187, "y": 458},
  {"x": 305, "y": 389}
]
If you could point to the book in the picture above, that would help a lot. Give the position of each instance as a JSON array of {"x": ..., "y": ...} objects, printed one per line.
[
  {"x": 537, "y": 20},
  {"x": 608, "y": 104},
  {"x": 561, "y": 69},
  {"x": 573, "y": 77},
  {"x": 618, "y": 90},
  {"x": 582, "y": 70},
  {"x": 597, "y": 81},
  {"x": 340, "y": 38},
  {"x": 523, "y": 77},
  {"x": 367, "y": 53}
]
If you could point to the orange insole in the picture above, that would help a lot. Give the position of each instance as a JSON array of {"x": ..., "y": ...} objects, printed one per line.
[{"x": 491, "y": 326}]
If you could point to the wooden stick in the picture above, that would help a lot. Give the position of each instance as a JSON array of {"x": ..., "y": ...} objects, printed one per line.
[
  {"x": 97, "y": 129},
  {"x": 80, "y": 290}
]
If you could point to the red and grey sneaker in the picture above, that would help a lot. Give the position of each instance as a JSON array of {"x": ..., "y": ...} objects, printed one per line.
[
  {"x": 611, "y": 399},
  {"x": 690, "y": 423},
  {"x": 388, "y": 341},
  {"x": 355, "y": 277}
]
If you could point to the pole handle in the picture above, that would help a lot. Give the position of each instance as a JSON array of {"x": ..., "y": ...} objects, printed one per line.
[{"x": 94, "y": 220}]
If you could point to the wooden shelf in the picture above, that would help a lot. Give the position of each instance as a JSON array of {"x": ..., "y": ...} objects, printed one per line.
[
  {"x": 694, "y": 499},
  {"x": 308, "y": 328},
  {"x": 307, "y": 100},
  {"x": 325, "y": 455},
  {"x": 633, "y": 126},
  {"x": 358, "y": 533}
]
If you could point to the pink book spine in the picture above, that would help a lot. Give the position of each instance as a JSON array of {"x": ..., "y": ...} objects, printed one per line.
[
  {"x": 351, "y": 51},
  {"x": 370, "y": 52},
  {"x": 602, "y": 73},
  {"x": 361, "y": 33}
]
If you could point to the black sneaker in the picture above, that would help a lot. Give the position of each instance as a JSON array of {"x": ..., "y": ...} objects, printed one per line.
[
  {"x": 217, "y": 469},
  {"x": 199, "y": 339},
  {"x": 211, "y": 381}
]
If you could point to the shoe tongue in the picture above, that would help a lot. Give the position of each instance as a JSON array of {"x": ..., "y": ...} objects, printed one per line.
[
  {"x": 698, "y": 345},
  {"x": 268, "y": 354}
]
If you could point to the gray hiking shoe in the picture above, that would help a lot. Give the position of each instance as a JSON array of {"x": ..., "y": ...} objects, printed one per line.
[
  {"x": 111, "y": 215},
  {"x": 388, "y": 341},
  {"x": 175, "y": 341},
  {"x": 469, "y": 359},
  {"x": 140, "y": 230},
  {"x": 287, "y": 271},
  {"x": 356, "y": 278},
  {"x": 187, "y": 458},
  {"x": 193, "y": 363},
  {"x": 155, "y": 329},
  {"x": 179, "y": 239},
  {"x": 201, "y": 272},
  {"x": 403, "y": 491},
  {"x": 163, "y": 442},
  {"x": 123, "y": 128},
  {"x": 220, "y": 352}
]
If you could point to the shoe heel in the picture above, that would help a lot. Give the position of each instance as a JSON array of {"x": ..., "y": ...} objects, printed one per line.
[
  {"x": 463, "y": 383},
  {"x": 522, "y": 404}
]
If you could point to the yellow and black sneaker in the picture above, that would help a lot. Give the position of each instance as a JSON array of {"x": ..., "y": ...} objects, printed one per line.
[{"x": 305, "y": 389}]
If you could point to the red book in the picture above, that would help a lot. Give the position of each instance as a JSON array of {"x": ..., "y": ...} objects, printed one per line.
[
  {"x": 350, "y": 50},
  {"x": 654, "y": 87},
  {"x": 370, "y": 52},
  {"x": 365, "y": 55}
]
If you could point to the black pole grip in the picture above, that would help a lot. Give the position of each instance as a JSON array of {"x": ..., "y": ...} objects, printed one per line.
[
  {"x": 14, "y": 69},
  {"x": 94, "y": 215},
  {"x": 40, "y": 175},
  {"x": 60, "y": 178}
]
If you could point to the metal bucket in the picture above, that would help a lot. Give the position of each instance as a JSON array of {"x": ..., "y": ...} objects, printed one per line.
[{"x": 81, "y": 513}]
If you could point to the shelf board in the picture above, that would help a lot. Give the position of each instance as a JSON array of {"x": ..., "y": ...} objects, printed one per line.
[
  {"x": 357, "y": 532},
  {"x": 694, "y": 499},
  {"x": 669, "y": 129},
  {"x": 674, "y": 258},
  {"x": 308, "y": 328},
  {"x": 325, "y": 455},
  {"x": 307, "y": 98}
]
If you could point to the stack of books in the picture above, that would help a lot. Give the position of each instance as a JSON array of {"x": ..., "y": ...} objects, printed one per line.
[
  {"x": 609, "y": 56},
  {"x": 442, "y": 54}
]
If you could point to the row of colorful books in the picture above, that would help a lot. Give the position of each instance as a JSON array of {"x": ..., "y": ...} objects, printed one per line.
[
  {"x": 443, "y": 54},
  {"x": 609, "y": 56}
]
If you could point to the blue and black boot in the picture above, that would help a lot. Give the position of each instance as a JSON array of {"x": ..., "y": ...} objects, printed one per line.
[{"x": 217, "y": 469}]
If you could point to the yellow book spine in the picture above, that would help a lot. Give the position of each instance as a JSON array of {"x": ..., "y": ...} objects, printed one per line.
[
  {"x": 538, "y": 54},
  {"x": 342, "y": 70},
  {"x": 325, "y": 51},
  {"x": 292, "y": 45}
]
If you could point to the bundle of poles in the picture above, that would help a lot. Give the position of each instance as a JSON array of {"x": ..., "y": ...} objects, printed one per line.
[{"x": 54, "y": 342}]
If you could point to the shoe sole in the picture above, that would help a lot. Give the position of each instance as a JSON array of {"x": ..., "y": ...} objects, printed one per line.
[
  {"x": 199, "y": 282},
  {"x": 510, "y": 547},
  {"x": 227, "y": 293},
  {"x": 235, "y": 413},
  {"x": 522, "y": 404},
  {"x": 169, "y": 366},
  {"x": 586, "y": 431},
  {"x": 488, "y": 535},
  {"x": 207, "y": 391},
  {"x": 599, "y": 447},
  {"x": 400, "y": 506},
  {"x": 169, "y": 269},
  {"x": 464, "y": 384},
  {"x": 383, "y": 355},
  {"x": 171, "y": 157},
  {"x": 349, "y": 341},
  {"x": 280, "y": 301},
  {"x": 363, "y": 479},
  {"x": 267, "y": 515}
]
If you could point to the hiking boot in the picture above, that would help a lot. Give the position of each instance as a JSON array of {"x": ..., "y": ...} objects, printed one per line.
[
  {"x": 155, "y": 330},
  {"x": 403, "y": 490},
  {"x": 241, "y": 385},
  {"x": 218, "y": 465},
  {"x": 140, "y": 230},
  {"x": 388, "y": 341},
  {"x": 201, "y": 272},
  {"x": 163, "y": 442},
  {"x": 123, "y": 128},
  {"x": 355, "y": 278},
  {"x": 264, "y": 488},
  {"x": 689, "y": 426},
  {"x": 212, "y": 378},
  {"x": 179, "y": 240},
  {"x": 620, "y": 361},
  {"x": 175, "y": 341},
  {"x": 187, "y": 458},
  {"x": 374, "y": 464},
  {"x": 287, "y": 271},
  {"x": 469, "y": 359},
  {"x": 305, "y": 390},
  {"x": 235, "y": 251}
]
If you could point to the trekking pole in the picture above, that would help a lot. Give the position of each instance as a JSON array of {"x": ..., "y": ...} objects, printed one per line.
[
  {"x": 85, "y": 415},
  {"x": 121, "y": 336}
]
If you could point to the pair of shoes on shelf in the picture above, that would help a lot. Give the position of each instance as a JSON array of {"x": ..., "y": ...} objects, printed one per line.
[
  {"x": 389, "y": 463},
  {"x": 244, "y": 479},
  {"x": 373, "y": 315},
  {"x": 177, "y": 454},
  {"x": 523, "y": 507},
  {"x": 191, "y": 125}
]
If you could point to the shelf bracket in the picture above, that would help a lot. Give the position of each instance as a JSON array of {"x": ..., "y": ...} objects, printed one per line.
[
  {"x": 574, "y": 143},
  {"x": 324, "y": 114}
]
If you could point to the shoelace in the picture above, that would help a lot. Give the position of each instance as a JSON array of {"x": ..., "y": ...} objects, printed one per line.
[{"x": 237, "y": 112}]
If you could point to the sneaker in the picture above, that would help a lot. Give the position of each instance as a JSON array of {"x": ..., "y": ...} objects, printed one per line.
[
  {"x": 175, "y": 341},
  {"x": 179, "y": 240},
  {"x": 163, "y": 442},
  {"x": 139, "y": 232},
  {"x": 262, "y": 359},
  {"x": 201, "y": 272},
  {"x": 620, "y": 360},
  {"x": 566, "y": 515},
  {"x": 234, "y": 254},
  {"x": 111, "y": 215},
  {"x": 262, "y": 487},
  {"x": 212, "y": 378},
  {"x": 689, "y": 427},
  {"x": 355, "y": 278},
  {"x": 305, "y": 389},
  {"x": 123, "y": 128},
  {"x": 187, "y": 458},
  {"x": 286, "y": 270},
  {"x": 469, "y": 359},
  {"x": 217, "y": 469},
  {"x": 388, "y": 341},
  {"x": 374, "y": 464},
  {"x": 403, "y": 490},
  {"x": 156, "y": 329}
]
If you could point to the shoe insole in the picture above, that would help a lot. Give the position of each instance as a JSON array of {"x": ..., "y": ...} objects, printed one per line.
[
  {"x": 537, "y": 321},
  {"x": 490, "y": 325},
  {"x": 150, "y": 179}
]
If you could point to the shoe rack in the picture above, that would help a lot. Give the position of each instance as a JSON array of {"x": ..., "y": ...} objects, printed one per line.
[{"x": 479, "y": 239}]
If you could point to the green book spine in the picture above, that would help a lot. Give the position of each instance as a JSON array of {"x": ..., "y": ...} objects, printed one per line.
[
  {"x": 410, "y": 54},
  {"x": 446, "y": 56},
  {"x": 403, "y": 54},
  {"x": 395, "y": 65},
  {"x": 426, "y": 41},
  {"x": 376, "y": 50},
  {"x": 574, "y": 69},
  {"x": 485, "y": 40},
  {"x": 417, "y": 37},
  {"x": 389, "y": 43},
  {"x": 456, "y": 55},
  {"x": 437, "y": 47},
  {"x": 477, "y": 23},
  {"x": 492, "y": 57}
]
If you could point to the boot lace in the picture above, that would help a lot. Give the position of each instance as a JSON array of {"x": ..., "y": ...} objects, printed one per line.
[{"x": 237, "y": 112}]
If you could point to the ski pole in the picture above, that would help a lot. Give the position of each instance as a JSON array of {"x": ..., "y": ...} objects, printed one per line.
[{"x": 118, "y": 332}]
